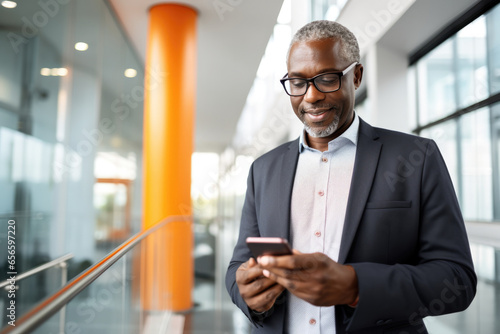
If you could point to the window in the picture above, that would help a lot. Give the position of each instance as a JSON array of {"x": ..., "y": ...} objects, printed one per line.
[{"x": 457, "y": 87}]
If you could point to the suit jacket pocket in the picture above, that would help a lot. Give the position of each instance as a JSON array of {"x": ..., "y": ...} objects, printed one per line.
[{"x": 388, "y": 204}]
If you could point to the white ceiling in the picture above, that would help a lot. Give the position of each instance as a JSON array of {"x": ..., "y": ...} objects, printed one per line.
[
  {"x": 232, "y": 37},
  {"x": 402, "y": 25},
  {"x": 423, "y": 20},
  {"x": 231, "y": 44}
]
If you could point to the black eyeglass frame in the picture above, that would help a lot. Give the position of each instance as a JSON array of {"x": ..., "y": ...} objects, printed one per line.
[{"x": 312, "y": 80}]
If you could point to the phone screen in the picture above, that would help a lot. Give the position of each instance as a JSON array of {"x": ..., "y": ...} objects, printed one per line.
[{"x": 260, "y": 246}]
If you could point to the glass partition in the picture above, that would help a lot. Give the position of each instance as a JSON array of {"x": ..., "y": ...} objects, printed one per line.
[
  {"x": 125, "y": 299},
  {"x": 482, "y": 315},
  {"x": 111, "y": 304},
  {"x": 477, "y": 184},
  {"x": 71, "y": 99},
  {"x": 456, "y": 89}
]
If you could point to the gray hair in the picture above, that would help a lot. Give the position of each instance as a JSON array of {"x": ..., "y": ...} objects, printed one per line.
[{"x": 324, "y": 29}]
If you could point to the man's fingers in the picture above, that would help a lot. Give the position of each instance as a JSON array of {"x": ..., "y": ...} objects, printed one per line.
[
  {"x": 259, "y": 292},
  {"x": 266, "y": 299},
  {"x": 248, "y": 272},
  {"x": 288, "y": 283},
  {"x": 296, "y": 275},
  {"x": 258, "y": 285},
  {"x": 300, "y": 288},
  {"x": 296, "y": 261},
  {"x": 284, "y": 261},
  {"x": 251, "y": 262}
]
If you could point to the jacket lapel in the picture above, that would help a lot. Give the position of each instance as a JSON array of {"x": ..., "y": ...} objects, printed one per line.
[
  {"x": 288, "y": 169},
  {"x": 365, "y": 166}
]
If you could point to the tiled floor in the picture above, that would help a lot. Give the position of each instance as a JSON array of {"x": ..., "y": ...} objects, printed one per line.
[{"x": 214, "y": 314}]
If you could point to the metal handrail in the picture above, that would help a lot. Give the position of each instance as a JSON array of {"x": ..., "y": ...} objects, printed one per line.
[
  {"x": 42, "y": 267},
  {"x": 43, "y": 311}
]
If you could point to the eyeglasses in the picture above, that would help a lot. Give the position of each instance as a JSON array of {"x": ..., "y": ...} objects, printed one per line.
[{"x": 324, "y": 82}]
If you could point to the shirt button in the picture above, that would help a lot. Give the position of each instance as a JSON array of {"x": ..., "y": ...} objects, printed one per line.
[
  {"x": 317, "y": 233},
  {"x": 312, "y": 321},
  {"x": 324, "y": 159},
  {"x": 321, "y": 192}
]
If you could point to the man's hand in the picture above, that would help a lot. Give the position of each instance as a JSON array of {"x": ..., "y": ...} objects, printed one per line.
[
  {"x": 257, "y": 291},
  {"x": 314, "y": 278}
]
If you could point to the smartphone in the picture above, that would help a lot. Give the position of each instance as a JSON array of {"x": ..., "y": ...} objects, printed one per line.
[{"x": 268, "y": 246}]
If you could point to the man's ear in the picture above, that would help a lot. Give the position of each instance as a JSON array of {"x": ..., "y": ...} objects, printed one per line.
[{"x": 358, "y": 75}]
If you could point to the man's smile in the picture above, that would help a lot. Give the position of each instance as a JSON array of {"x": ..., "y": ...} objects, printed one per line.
[{"x": 317, "y": 114}]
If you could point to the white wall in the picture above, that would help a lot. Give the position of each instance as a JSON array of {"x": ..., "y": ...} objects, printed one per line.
[
  {"x": 387, "y": 87},
  {"x": 74, "y": 212}
]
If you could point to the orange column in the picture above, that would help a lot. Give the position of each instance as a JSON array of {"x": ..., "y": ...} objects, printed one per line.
[{"x": 169, "y": 108}]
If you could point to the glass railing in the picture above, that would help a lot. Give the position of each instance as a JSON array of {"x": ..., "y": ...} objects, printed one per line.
[
  {"x": 110, "y": 304},
  {"x": 43, "y": 280},
  {"x": 106, "y": 298}
]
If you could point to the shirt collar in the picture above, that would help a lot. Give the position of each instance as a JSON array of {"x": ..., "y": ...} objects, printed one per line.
[{"x": 350, "y": 134}]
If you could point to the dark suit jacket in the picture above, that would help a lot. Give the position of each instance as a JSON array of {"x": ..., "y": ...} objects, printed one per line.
[{"x": 403, "y": 234}]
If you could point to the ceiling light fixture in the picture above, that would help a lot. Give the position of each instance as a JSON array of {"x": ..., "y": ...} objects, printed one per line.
[
  {"x": 9, "y": 4},
  {"x": 130, "y": 73},
  {"x": 45, "y": 72},
  {"x": 62, "y": 71},
  {"x": 81, "y": 46},
  {"x": 54, "y": 72}
]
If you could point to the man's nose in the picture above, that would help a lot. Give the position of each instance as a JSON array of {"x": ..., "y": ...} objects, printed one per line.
[{"x": 313, "y": 94}]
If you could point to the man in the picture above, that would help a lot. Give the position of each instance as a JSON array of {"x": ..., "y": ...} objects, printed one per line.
[{"x": 379, "y": 241}]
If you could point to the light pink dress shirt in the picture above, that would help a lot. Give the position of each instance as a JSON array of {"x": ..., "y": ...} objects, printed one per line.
[{"x": 319, "y": 200}]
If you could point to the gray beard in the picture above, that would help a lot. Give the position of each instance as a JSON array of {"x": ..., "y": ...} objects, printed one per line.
[{"x": 330, "y": 129}]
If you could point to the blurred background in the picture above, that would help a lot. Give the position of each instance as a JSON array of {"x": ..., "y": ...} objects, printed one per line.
[{"x": 71, "y": 134}]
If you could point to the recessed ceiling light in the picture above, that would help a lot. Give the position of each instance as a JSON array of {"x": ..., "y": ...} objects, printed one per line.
[
  {"x": 54, "y": 72},
  {"x": 116, "y": 141},
  {"x": 9, "y": 4},
  {"x": 130, "y": 73},
  {"x": 81, "y": 46},
  {"x": 62, "y": 71},
  {"x": 45, "y": 71}
]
